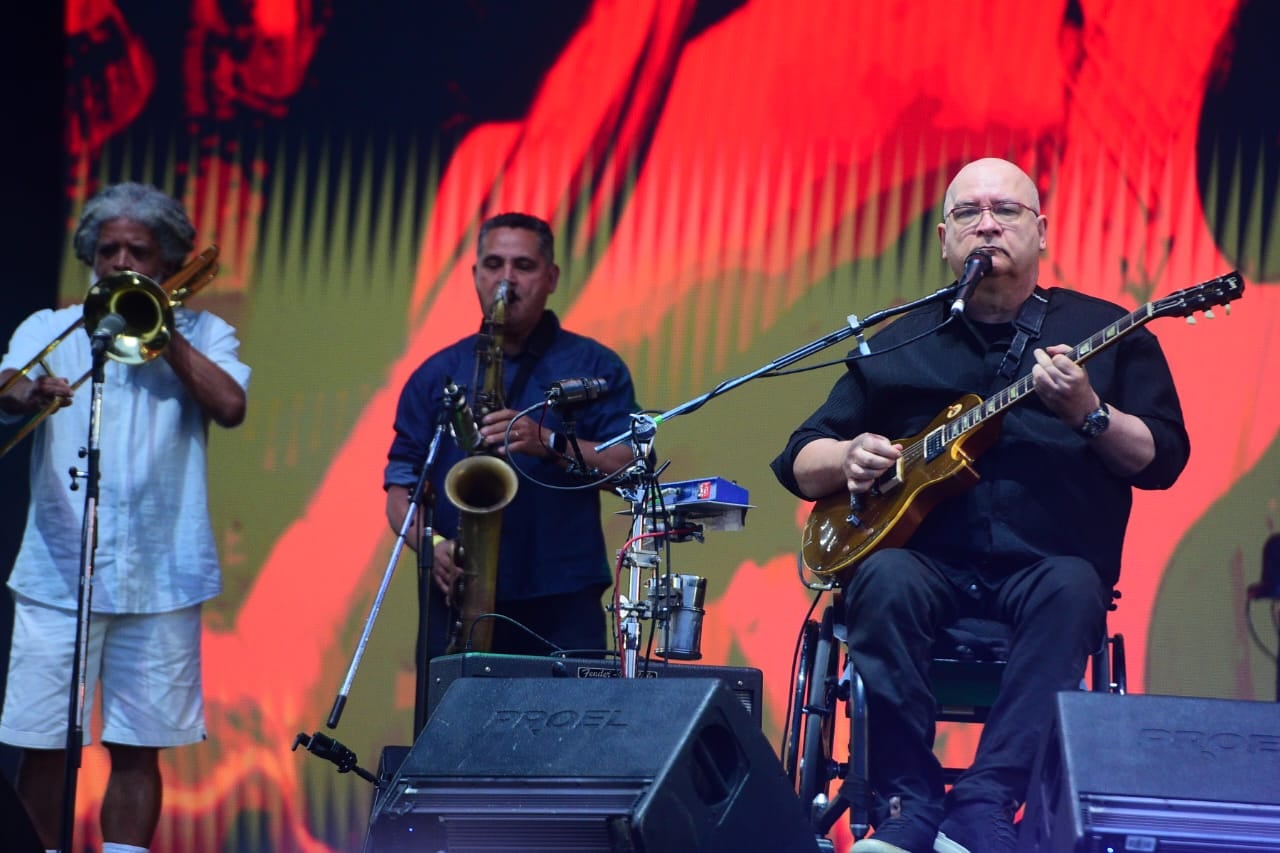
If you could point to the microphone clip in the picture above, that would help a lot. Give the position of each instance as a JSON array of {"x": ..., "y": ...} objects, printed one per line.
[{"x": 334, "y": 752}]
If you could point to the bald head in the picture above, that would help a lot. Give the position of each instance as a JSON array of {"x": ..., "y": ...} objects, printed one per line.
[
  {"x": 993, "y": 171},
  {"x": 992, "y": 206}
]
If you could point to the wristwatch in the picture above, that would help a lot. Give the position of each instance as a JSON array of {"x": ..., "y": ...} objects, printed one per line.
[
  {"x": 1096, "y": 422},
  {"x": 559, "y": 443}
]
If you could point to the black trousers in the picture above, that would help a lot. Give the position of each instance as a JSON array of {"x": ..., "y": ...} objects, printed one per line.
[{"x": 894, "y": 606}]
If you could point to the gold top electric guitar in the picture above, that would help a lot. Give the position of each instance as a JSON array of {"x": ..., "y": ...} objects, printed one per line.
[{"x": 842, "y": 530}]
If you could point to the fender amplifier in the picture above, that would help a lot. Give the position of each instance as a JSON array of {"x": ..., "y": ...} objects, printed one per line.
[{"x": 746, "y": 683}]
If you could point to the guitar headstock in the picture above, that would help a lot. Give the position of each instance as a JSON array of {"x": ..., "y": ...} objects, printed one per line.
[{"x": 1203, "y": 297}]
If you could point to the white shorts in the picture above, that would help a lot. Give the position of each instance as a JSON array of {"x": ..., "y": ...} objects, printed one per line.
[{"x": 149, "y": 666}]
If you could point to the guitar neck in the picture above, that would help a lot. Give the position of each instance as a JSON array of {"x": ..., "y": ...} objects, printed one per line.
[{"x": 997, "y": 403}]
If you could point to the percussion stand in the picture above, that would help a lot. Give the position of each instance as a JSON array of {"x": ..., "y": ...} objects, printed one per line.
[
  {"x": 88, "y": 542},
  {"x": 639, "y": 556}
]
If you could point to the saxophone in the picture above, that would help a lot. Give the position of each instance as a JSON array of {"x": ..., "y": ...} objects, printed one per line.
[{"x": 480, "y": 486}]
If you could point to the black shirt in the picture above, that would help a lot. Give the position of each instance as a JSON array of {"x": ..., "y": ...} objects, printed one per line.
[{"x": 1043, "y": 492}]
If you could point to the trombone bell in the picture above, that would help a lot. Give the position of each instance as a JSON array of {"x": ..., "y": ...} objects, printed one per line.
[{"x": 145, "y": 309}]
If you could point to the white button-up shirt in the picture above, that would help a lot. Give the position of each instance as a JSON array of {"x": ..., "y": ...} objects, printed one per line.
[{"x": 156, "y": 549}]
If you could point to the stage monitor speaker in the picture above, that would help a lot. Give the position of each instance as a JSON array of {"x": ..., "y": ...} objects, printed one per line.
[
  {"x": 617, "y": 765},
  {"x": 747, "y": 683},
  {"x": 1155, "y": 773}
]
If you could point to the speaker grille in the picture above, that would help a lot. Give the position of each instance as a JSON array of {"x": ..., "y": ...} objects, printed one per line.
[
  {"x": 1119, "y": 821},
  {"x": 454, "y": 798}
]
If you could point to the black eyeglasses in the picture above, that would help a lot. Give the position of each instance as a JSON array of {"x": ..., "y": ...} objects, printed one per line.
[{"x": 1005, "y": 212}]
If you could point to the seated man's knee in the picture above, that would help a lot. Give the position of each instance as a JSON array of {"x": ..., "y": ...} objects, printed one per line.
[
  {"x": 1075, "y": 580},
  {"x": 884, "y": 580},
  {"x": 1073, "y": 597}
]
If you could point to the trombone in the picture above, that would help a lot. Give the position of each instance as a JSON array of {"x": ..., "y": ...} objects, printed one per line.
[{"x": 147, "y": 309}]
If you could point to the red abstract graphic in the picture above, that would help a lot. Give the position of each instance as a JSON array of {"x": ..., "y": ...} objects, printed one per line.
[{"x": 770, "y": 142}]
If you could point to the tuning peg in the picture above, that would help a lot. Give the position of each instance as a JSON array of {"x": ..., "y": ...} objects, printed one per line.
[
  {"x": 1209, "y": 313},
  {"x": 1227, "y": 309},
  {"x": 1191, "y": 319}
]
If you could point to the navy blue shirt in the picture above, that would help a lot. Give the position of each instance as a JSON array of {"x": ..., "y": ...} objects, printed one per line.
[
  {"x": 1043, "y": 491},
  {"x": 552, "y": 542}
]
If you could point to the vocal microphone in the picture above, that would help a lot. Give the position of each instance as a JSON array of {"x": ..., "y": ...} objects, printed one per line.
[
  {"x": 976, "y": 266},
  {"x": 106, "y": 330},
  {"x": 569, "y": 391}
]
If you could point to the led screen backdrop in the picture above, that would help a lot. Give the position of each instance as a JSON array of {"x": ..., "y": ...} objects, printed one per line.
[{"x": 728, "y": 181}]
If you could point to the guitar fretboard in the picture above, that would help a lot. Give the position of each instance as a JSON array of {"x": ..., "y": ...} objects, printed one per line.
[
  {"x": 1083, "y": 351},
  {"x": 1219, "y": 291},
  {"x": 937, "y": 440}
]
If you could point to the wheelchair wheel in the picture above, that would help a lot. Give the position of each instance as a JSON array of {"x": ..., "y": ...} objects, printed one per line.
[
  {"x": 804, "y": 669},
  {"x": 818, "y": 717}
]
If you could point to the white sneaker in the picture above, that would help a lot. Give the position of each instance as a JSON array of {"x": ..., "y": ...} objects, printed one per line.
[{"x": 941, "y": 844}]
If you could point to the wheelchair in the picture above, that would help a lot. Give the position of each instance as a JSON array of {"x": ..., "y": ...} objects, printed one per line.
[{"x": 968, "y": 662}]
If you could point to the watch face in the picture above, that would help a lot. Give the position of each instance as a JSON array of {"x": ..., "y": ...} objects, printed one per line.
[{"x": 1096, "y": 422}]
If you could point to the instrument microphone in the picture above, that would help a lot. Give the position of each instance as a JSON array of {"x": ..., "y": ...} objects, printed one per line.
[
  {"x": 569, "y": 391},
  {"x": 977, "y": 265},
  {"x": 106, "y": 330}
]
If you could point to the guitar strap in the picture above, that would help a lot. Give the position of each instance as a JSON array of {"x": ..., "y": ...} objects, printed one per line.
[{"x": 1029, "y": 320}]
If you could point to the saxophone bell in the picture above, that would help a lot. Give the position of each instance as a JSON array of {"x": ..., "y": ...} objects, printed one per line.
[{"x": 480, "y": 487}]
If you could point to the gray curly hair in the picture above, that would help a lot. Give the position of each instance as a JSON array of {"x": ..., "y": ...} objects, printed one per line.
[{"x": 159, "y": 212}]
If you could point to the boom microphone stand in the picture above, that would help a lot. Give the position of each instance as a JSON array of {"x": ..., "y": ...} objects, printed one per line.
[
  {"x": 414, "y": 499},
  {"x": 88, "y": 542},
  {"x": 854, "y": 327},
  {"x": 644, "y": 427}
]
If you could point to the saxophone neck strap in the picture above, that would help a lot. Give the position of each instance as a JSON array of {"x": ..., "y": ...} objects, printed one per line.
[{"x": 535, "y": 348}]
